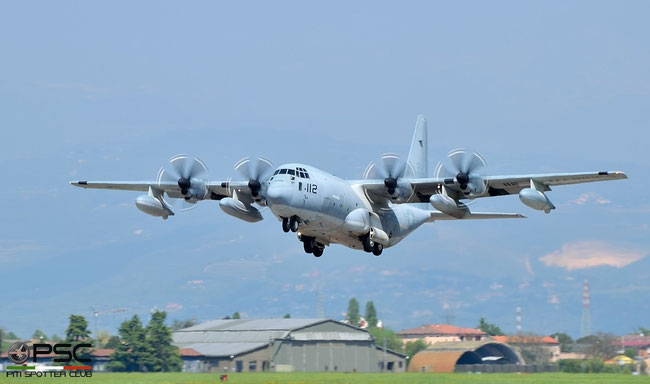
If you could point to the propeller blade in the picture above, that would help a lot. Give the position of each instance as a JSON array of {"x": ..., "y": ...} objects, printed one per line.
[
  {"x": 196, "y": 168},
  {"x": 178, "y": 164},
  {"x": 187, "y": 172},
  {"x": 256, "y": 171},
  {"x": 474, "y": 162},
  {"x": 244, "y": 168},
  {"x": 443, "y": 172},
  {"x": 264, "y": 169},
  {"x": 457, "y": 158}
]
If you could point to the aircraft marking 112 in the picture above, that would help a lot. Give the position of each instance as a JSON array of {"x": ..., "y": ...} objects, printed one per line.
[{"x": 369, "y": 214}]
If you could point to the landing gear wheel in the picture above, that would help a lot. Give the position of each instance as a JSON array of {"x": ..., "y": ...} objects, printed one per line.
[
  {"x": 318, "y": 251},
  {"x": 368, "y": 245},
  {"x": 285, "y": 224},
  {"x": 293, "y": 224},
  {"x": 376, "y": 250},
  {"x": 308, "y": 244}
]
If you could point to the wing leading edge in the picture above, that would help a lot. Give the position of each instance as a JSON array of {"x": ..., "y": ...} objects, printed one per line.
[
  {"x": 216, "y": 190},
  {"x": 424, "y": 188}
]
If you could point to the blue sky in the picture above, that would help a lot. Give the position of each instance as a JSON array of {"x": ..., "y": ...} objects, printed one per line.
[{"x": 112, "y": 90}]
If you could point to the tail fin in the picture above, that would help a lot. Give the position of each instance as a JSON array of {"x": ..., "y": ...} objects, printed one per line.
[{"x": 418, "y": 154}]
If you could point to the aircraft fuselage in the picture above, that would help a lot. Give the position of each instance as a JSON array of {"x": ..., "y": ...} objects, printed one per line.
[{"x": 323, "y": 202}]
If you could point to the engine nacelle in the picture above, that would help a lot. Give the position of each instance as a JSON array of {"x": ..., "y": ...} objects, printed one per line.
[
  {"x": 152, "y": 206},
  {"x": 448, "y": 206},
  {"x": 403, "y": 191},
  {"x": 536, "y": 200},
  {"x": 236, "y": 208},
  {"x": 357, "y": 222}
]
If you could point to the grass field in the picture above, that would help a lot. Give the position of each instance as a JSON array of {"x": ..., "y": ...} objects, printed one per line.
[{"x": 341, "y": 378}]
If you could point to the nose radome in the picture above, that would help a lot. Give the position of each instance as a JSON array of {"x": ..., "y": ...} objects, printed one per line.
[{"x": 279, "y": 193}]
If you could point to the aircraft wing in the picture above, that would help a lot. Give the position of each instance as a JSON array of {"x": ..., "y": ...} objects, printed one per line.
[
  {"x": 423, "y": 188},
  {"x": 216, "y": 189},
  {"x": 435, "y": 215}
]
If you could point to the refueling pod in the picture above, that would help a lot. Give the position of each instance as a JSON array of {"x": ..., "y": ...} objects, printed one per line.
[
  {"x": 448, "y": 206},
  {"x": 535, "y": 198},
  {"x": 152, "y": 204},
  {"x": 236, "y": 208}
]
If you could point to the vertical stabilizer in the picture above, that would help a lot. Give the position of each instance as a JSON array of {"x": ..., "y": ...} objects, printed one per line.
[{"x": 418, "y": 157}]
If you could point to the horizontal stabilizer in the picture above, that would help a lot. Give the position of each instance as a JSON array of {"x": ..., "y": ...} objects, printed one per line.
[{"x": 435, "y": 215}]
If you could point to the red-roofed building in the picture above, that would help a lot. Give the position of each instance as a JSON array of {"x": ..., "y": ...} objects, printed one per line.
[
  {"x": 100, "y": 358},
  {"x": 639, "y": 343},
  {"x": 438, "y": 333}
]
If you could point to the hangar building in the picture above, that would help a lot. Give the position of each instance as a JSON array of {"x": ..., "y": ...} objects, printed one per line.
[
  {"x": 245, "y": 345},
  {"x": 482, "y": 356}
]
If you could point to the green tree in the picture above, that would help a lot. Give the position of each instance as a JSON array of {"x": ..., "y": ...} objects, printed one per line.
[
  {"x": 566, "y": 342},
  {"x": 102, "y": 338},
  {"x": 644, "y": 331},
  {"x": 180, "y": 324},
  {"x": 236, "y": 316},
  {"x": 133, "y": 354},
  {"x": 371, "y": 314},
  {"x": 165, "y": 357},
  {"x": 55, "y": 338},
  {"x": 287, "y": 316},
  {"x": 78, "y": 329},
  {"x": 38, "y": 334},
  {"x": 413, "y": 347},
  {"x": 113, "y": 342},
  {"x": 352, "y": 316},
  {"x": 11, "y": 336},
  {"x": 630, "y": 352},
  {"x": 392, "y": 339},
  {"x": 600, "y": 345},
  {"x": 490, "y": 329}
]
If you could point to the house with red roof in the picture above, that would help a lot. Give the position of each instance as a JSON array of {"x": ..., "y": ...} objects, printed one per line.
[{"x": 439, "y": 333}]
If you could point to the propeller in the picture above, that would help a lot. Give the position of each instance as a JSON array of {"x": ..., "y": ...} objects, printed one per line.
[
  {"x": 189, "y": 173},
  {"x": 392, "y": 169},
  {"x": 465, "y": 167},
  {"x": 257, "y": 171}
]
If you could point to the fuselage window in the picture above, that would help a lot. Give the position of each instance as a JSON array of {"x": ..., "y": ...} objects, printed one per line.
[
  {"x": 291, "y": 172},
  {"x": 283, "y": 171}
]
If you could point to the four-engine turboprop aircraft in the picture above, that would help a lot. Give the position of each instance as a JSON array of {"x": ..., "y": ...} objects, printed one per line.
[{"x": 369, "y": 214}]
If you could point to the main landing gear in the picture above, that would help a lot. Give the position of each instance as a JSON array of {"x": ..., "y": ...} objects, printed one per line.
[
  {"x": 312, "y": 246},
  {"x": 290, "y": 224},
  {"x": 371, "y": 246}
]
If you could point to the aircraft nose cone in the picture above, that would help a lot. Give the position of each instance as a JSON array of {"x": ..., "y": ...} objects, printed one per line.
[{"x": 279, "y": 194}]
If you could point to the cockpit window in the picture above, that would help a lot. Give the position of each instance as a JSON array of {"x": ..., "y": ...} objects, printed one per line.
[
  {"x": 291, "y": 172},
  {"x": 302, "y": 175},
  {"x": 276, "y": 172},
  {"x": 307, "y": 175},
  {"x": 283, "y": 171}
]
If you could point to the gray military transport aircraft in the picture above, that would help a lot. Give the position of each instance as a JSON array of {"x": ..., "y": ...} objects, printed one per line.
[{"x": 370, "y": 214}]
